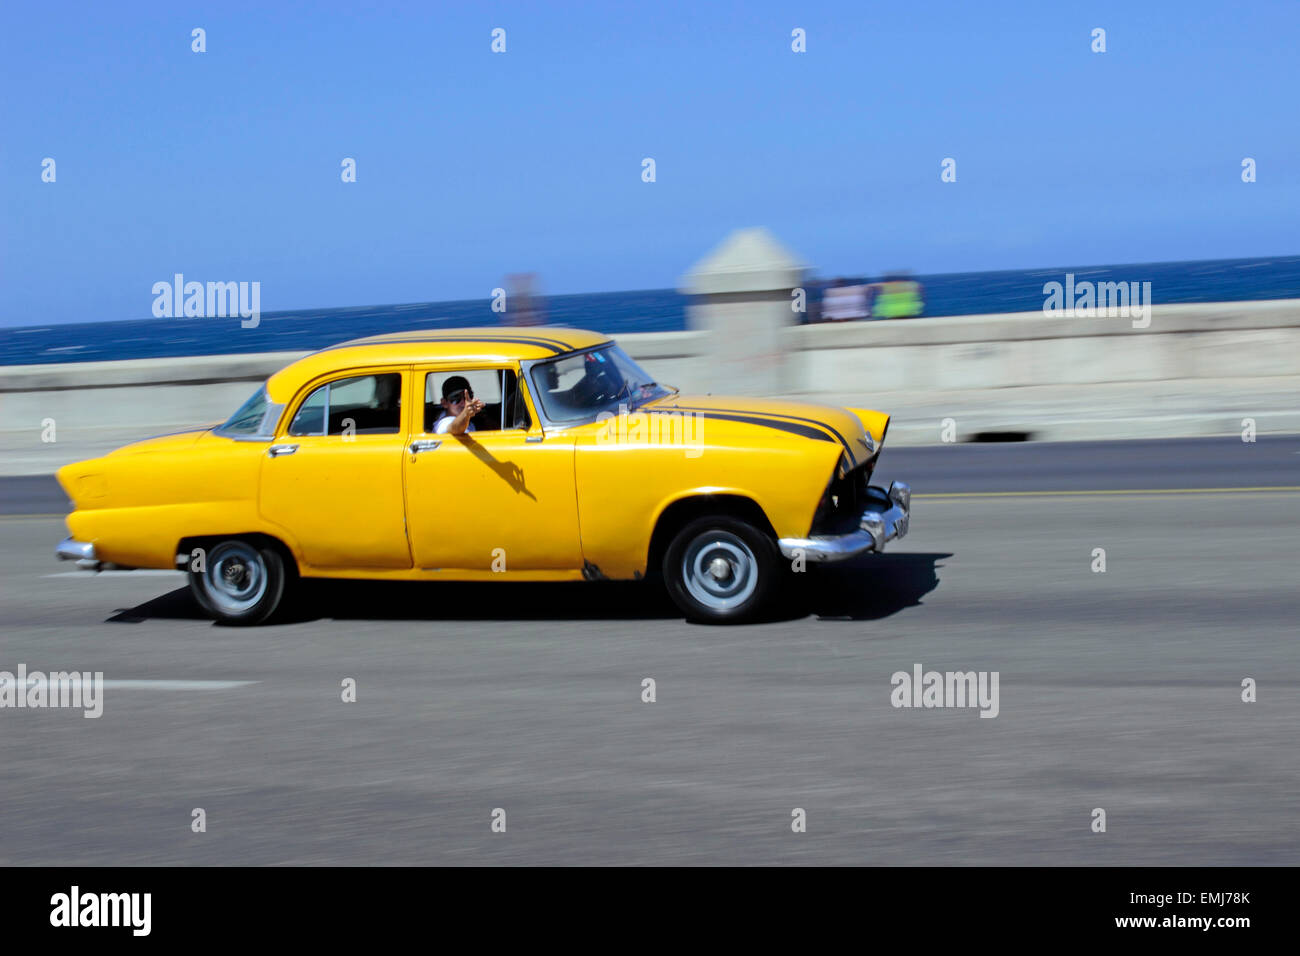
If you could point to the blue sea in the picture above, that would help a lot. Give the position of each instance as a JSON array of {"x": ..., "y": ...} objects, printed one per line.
[{"x": 654, "y": 310}]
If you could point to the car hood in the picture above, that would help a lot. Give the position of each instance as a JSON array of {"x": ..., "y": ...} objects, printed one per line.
[{"x": 858, "y": 431}]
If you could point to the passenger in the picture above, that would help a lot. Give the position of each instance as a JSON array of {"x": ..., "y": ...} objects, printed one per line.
[{"x": 459, "y": 406}]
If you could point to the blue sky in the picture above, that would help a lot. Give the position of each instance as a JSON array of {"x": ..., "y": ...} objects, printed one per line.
[{"x": 225, "y": 165}]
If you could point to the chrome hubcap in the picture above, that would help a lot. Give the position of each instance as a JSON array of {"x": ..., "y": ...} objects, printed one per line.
[
  {"x": 236, "y": 576},
  {"x": 719, "y": 570}
]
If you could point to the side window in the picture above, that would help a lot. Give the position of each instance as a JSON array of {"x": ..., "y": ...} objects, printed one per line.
[
  {"x": 498, "y": 390},
  {"x": 517, "y": 413},
  {"x": 362, "y": 405},
  {"x": 311, "y": 415}
]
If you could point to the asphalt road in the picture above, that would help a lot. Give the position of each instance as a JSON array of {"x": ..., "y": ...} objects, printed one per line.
[{"x": 1119, "y": 690}]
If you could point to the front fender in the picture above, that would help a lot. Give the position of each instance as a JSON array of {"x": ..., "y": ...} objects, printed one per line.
[
  {"x": 623, "y": 491},
  {"x": 876, "y": 423}
]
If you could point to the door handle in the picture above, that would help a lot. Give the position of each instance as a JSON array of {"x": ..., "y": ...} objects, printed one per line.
[
  {"x": 275, "y": 451},
  {"x": 424, "y": 444}
]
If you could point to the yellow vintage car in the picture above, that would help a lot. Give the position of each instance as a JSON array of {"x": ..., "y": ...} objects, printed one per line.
[{"x": 539, "y": 454}]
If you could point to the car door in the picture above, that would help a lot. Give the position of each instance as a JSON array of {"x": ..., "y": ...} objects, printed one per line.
[
  {"x": 333, "y": 476},
  {"x": 499, "y": 498}
]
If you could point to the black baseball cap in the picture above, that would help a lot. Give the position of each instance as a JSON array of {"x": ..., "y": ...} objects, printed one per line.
[{"x": 453, "y": 385}]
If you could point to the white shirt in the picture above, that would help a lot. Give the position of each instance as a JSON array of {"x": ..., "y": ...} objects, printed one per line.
[{"x": 443, "y": 425}]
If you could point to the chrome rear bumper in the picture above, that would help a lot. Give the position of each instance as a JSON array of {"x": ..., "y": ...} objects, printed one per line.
[
  {"x": 875, "y": 529},
  {"x": 83, "y": 552}
]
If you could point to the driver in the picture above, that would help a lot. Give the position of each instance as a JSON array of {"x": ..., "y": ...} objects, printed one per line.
[
  {"x": 459, "y": 406},
  {"x": 601, "y": 380}
]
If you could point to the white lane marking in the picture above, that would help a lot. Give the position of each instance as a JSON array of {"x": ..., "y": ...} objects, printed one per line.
[
  {"x": 145, "y": 572},
  {"x": 178, "y": 684},
  {"x": 164, "y": 684}
]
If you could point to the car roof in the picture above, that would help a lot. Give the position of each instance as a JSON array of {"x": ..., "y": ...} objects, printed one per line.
[{"x": 491, "y": 345}]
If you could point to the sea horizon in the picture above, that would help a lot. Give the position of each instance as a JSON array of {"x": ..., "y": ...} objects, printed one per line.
[{"x": 616, "y": 312}]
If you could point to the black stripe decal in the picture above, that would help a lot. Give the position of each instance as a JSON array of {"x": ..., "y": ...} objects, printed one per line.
[
  {"x": 455, "y": 335},
  {"x": 557, "y": 345},
  {"x": 790, "y": 427},
  {"x": 395, "y": 339},
  {"x": 539, "y": 343},
  {"x": 791, "y": 418}
]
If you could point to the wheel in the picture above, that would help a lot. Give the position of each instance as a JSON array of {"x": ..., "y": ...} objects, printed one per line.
[
  {"x": 720, "y": 570},
  {"x": 242, "y": 582}
]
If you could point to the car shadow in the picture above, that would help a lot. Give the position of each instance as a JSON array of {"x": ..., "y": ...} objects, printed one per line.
[
  {"x": 869, "y": 588},
  {"x": 866, "y": 589},
  {"x": 345, "y": 600}
]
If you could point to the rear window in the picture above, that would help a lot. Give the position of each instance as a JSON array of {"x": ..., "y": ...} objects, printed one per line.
[{"x": 362, "y": 405}]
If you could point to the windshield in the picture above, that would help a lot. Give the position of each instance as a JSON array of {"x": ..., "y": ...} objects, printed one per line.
[
  {"x": 579, "y": 387},
  {"x": 248, "y": 420}
]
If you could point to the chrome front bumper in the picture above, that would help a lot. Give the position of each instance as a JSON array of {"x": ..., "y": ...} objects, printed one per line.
[{"x": 875, "y": 528}]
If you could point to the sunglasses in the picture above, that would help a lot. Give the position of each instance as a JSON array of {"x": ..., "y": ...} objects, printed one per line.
[{"x": 458, "y": 396}]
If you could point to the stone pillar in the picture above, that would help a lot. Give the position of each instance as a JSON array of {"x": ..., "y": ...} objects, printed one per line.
[{"x": 743, "y": 299}]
